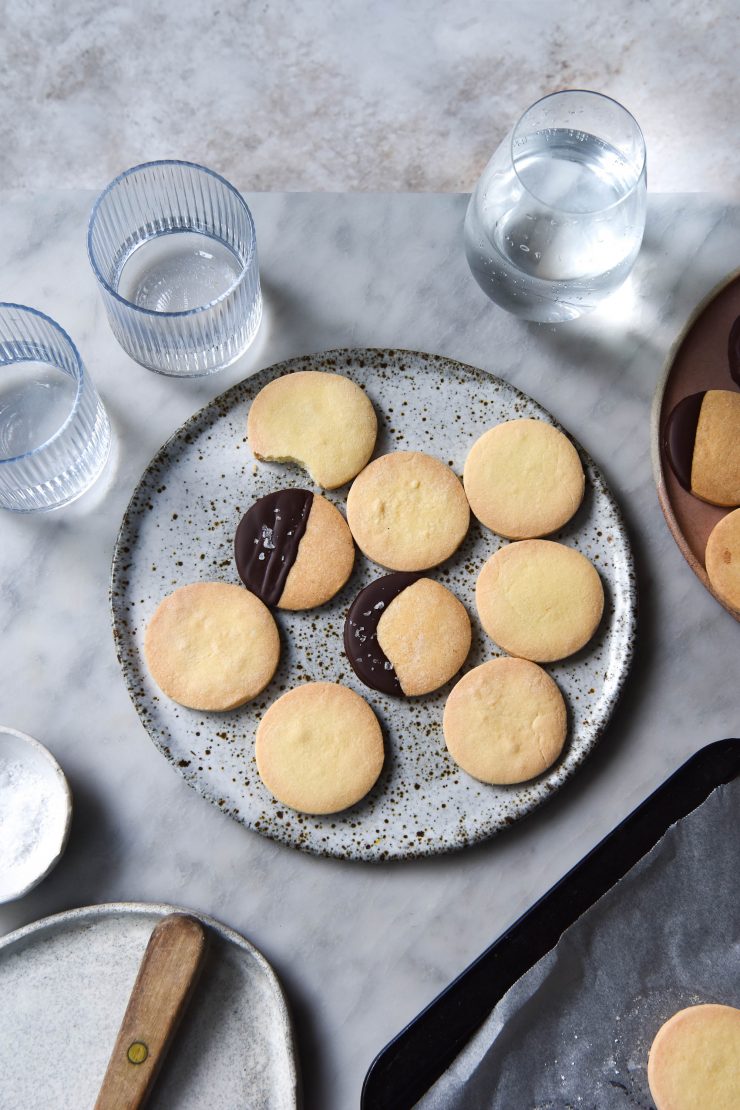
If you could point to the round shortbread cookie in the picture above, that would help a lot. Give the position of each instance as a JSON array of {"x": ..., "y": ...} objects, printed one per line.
[
  {"x": 523, "y": 479},
  {"x": 694, "y": 1061},
  {"x": 722, "y": 559},
  {"x": 323, "y": 422},
  {"x": 505, "y": 722},
  {"x": 406, "y": 635},
  {"x": 407, "y": 511},
  {"x": 319, "y": 748},
  {"x": 212, "y": 646},
  {"x": 293, "y": 549},
  {"x": 539, "y": 600}
]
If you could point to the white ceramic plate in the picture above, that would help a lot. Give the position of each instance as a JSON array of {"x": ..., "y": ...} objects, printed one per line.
[
  {"x": 179, "y": 528},
  {"x": 65, "y": 983}
]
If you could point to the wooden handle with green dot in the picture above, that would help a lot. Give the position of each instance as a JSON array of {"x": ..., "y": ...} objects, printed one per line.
[{"x": 163, "y": 986}]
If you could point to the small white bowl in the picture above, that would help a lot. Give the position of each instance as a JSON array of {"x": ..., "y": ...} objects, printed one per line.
[{"x": 43, "y": 824}]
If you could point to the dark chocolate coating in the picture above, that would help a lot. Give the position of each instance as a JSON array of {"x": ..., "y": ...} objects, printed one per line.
[
  {"x": 680, "y": 436},
  {"x": 267, "y": 539},
  {"x": 733, "y": 351},
  {"x": 361, "y": 646}
]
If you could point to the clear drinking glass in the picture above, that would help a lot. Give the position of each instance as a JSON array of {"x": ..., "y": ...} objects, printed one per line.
[
  {"x": 174, "y": 250},
  {"x": 54, "y": 432},
  {"x": 557, "y": 218}
]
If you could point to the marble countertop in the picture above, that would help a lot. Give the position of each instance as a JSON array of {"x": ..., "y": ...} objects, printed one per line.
[
  {"x": 348, "y": 96},
  {"x": 359, "y": 948}
]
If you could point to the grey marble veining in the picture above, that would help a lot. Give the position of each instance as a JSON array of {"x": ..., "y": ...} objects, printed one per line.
[
  {"x": 351, "y": 96},
  {"x": 359, "y": 948}
]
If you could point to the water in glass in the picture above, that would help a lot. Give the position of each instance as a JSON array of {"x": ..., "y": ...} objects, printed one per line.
[
  {"x": 177, "y": 271},
  {"x": 35, "y": 400},
  {"x": 54, "y": 432},
  {"x": 556, "y": 222}
]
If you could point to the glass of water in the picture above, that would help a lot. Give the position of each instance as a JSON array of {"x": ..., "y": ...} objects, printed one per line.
[
  {"x": 173, "y": 247},
  {"x": 557, "y": 218},
  {"x": 54, "y": 432}
]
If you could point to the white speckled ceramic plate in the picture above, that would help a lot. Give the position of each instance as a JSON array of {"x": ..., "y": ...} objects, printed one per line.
[
  {"x": 179, "y": 527},
  {"x": 65, "y": 982}
]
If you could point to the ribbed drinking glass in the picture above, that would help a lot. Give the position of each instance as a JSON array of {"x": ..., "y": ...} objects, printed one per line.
[
  {"x": 173, "y": 247},
  {"x": 54, "y": 432}
]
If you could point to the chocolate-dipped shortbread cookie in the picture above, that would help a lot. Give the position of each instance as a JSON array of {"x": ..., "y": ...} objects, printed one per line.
[
  {"x": 702, "y": 442},
  {"x": 293, "y": 549},
  {"x": 733, "y": 351},
  {"x": 405, "y": 634}
]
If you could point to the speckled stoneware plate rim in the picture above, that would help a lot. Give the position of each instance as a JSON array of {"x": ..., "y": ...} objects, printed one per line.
[
  {"x": 531, "y": 794},
  {"x": 60, "y": 779},
  {"x": 655, "y": 453},
  {"x": 84, "y": 915}
]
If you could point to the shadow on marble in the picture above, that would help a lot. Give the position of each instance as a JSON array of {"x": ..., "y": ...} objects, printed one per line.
[
  {"x": 87, "y": 868},
  {"x": 284, "y": 306},
  {"x": 310, "y": 1044}
]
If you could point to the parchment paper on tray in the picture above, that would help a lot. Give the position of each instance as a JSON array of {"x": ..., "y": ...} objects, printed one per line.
[{"x": 576, "y": 1029}]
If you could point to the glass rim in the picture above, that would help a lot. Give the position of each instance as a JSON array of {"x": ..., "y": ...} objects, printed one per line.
[
  {"x": 24, "y": 308},
  {"x": 186, "y": 311},
  {"x": 599, "y": 96}
]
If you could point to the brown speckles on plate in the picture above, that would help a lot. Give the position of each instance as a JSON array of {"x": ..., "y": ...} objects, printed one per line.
[{"x": 422, "y": 804}]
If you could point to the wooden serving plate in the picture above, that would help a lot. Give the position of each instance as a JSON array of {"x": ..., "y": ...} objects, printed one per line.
[{"x": 697, "y": 361}]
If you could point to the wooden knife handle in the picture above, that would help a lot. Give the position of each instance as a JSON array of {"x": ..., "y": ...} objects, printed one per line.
[{"x": 166, "y": 977}]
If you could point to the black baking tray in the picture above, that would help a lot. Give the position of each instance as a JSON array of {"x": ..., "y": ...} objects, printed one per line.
[{"x": 409, "y": 1065}]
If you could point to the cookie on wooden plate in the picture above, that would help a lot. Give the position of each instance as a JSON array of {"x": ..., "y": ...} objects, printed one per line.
[
  {"x": 212, "y": 646},
  {"x": 715, "y": 466},
  {"x": 539, "y": 600},
  {"x": 323, "y": 422},
  {"x": 505, "y": 721},
  {"x": 722, "y": 559},
  {"x": 405, "y": 634},
  {"x": 319, "y": 748},
  {"x": 702, "y": 442},
  {"x": 523, "y": 479},
  {"x": 293, "y": 549},
  {"x": 407, "y": 511}
]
